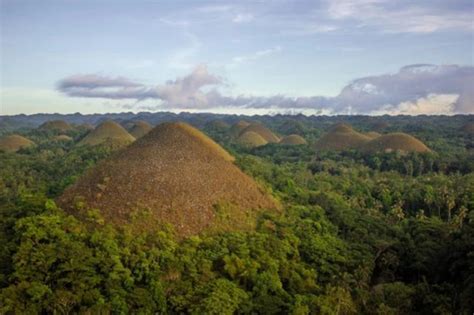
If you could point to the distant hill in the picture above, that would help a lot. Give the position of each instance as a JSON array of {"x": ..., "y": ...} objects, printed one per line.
[
  {"x": 263, "y": 131},
  {"x": 251, "y": 139},
  {"x": 140, "y": 128},
  {"x": 395, "y": 142},
  {"x": 237, "y": 128},
  {"x": 180, "y": 177},
  {"x": 13, "y": 143},
  {"x": 341, "y": 137},
  {"x": 293, "y": 140},
  {"x": 218, "y": 125},
  {"x": 108, "y": 132},
  {"x": 56, "y": 125}
]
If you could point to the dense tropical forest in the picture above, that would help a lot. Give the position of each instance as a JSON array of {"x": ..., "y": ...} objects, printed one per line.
[{"x": 357, "y": 231}]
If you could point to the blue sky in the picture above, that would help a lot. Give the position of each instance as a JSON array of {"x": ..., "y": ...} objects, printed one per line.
[{"x": 247, "y": 56}]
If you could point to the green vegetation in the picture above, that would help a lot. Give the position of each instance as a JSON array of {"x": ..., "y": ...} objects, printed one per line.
[{"x": 359, "y": 232}]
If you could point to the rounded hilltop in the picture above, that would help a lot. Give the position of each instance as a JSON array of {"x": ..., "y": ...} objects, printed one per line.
[
  {"x": 341, "y": 137},
  {"x": 251, "y": 139},
  {"x": 263, "y": 131},
  {"x": 293, "y": 140},
  {"x": 237, "y": 128},
  {"x": 397, "y": 141},
  {"x": 175, "y": 175},
  {"x": 14, "y": 143},
  {"x": 140, "y": 128},
  {"x": 56, "y": 125},
  {"x": 108, "y": 133}
]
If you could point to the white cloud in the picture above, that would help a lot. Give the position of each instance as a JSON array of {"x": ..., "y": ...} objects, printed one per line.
[
  {"x": 399, "y": 17},
  {"x": 255, "y": 56},
  {"x": 433, "y": 104},
  {"x": 413, "y": 90},
  {"x": 243, "y": 18}
]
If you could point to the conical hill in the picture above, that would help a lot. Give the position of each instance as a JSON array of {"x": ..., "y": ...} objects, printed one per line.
[
  {"x": 13, "y": 143},
  {"x": 140, "y": 128},
  {"x": 179, "y": 176},
  {"x": 293, "y": 140},
  {"x": 341, "y": 137},
  {"x": 397, "y": 141},
  {"x": 263, "y": 131},
  {"x": 57, "y": 125},
  {"x": 251, "y": 139},
  {"x": 237, "y": 128},
  {"x": 108, "y": 132}
]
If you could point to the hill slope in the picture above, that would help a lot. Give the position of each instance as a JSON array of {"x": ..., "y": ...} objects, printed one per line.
[
  {"x": 13, "y": 143},
  {"x": 179, "y": 174},
  {"x": 108, "y": 132}
]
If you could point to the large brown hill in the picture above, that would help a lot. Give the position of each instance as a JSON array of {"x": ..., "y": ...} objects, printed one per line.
[
  {"x": 263, "y": 131},
  {"x": 140, "y": 128},
  {"x": 108, "y": 132},
  {"x": 397, "y": 141},
  {"x": 13, "y": 143},
  {"x": 58, "y": 125},
  {"x": 339, "y": 138},
  {"x": 180, "y": 176}
]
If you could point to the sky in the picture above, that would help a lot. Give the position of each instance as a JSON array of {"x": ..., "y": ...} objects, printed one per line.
[{"x": 253, "y": 57}]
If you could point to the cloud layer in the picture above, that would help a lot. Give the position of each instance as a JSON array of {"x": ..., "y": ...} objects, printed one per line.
[{"x": 414, "y": 89}]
